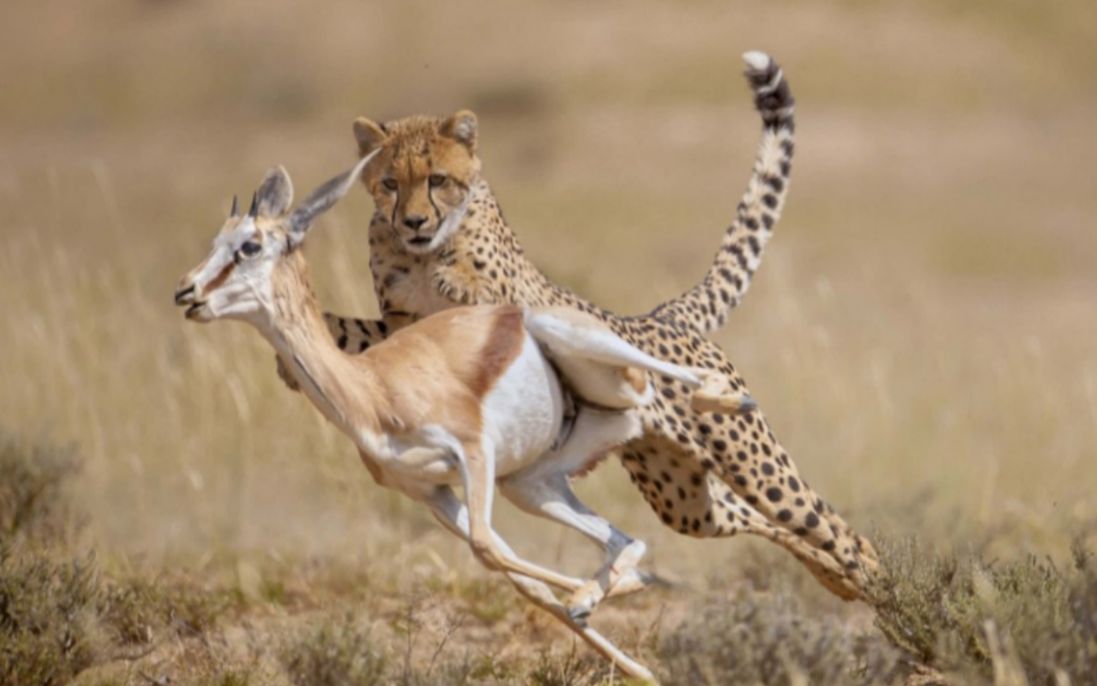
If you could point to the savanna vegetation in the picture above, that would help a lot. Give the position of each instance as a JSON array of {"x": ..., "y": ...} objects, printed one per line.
[{"x": 920, "y": 335}]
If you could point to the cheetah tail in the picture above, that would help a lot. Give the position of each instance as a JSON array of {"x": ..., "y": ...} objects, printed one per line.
[
  {"x": 706, "y": 305},
  {"x": 716, "y": 394}
]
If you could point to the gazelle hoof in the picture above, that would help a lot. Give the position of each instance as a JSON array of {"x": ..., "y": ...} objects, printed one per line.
[{"x": 580, "y": 614}]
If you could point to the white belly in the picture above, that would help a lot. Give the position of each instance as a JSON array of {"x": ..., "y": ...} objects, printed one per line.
[
  {"x": 524, "y": 410},
  {"x": 521, "y": 420}
]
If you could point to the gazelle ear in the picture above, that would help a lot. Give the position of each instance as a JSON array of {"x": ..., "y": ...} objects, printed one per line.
[
  {"x": 461, "y": 127},
  {"x": 322, "y": 199},
  {"x": 275, "y": 194},
  {"x": 369, "y": 135}
]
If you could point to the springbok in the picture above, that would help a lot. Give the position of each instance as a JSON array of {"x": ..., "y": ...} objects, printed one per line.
[{"x": 470, "y": 396}]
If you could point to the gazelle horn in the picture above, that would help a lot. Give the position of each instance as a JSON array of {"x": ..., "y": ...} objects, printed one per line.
[
  {"x": 254, "y": 211},
  {"x": 235, "y": 208}
]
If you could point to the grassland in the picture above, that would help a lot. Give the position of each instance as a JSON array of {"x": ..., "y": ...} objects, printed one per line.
[{"x": 921, "y": 333}]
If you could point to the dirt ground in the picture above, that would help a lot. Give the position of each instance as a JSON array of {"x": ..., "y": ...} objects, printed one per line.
[{"x": 920, "y": 334}]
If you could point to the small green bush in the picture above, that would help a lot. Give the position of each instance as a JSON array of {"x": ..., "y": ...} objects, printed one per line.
[
  {"x": 33, "y": 478},
  {"x": 570, "y": 669},
  {"x": 335, "y": 653},
  {"x": 48, "y": 618},
  {"x": 137, "y": 609},
  {"x": 982, "y": 621}
]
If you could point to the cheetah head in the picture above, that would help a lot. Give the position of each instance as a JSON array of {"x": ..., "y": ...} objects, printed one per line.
[{"x": 422, "y": 176}]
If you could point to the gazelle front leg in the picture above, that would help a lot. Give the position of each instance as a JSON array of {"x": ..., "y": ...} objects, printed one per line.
[
  {"x": 453, "y": 515},
  {"x": 477, "y": 465}
]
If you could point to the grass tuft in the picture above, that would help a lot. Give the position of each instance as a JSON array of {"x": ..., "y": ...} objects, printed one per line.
[
  {"x": 48, "y": 617},
  {"x": 1023, "y": 621},
  {"x": 570, "y": 669},
  {"x": 33, "y": 479},
  {"x": 138, "y": 610},
  {"x": 760, "y": 637},
  {"x": 335, "y": 653}
]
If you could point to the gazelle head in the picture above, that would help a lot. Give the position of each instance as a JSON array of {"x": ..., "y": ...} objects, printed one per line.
[{"x": 235, "y": 279}]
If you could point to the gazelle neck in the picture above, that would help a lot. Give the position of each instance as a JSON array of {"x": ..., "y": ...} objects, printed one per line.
[{"x": 346, "y": 390}]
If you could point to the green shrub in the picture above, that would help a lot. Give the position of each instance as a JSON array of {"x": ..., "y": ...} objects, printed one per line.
[
  {"x": 1028, "y": 620},
  {"x": 33, "y": 478},
  {"x": 137, "y": 609},
  {"x": 569, "y": 669},
  {"x": 769, "y": 638},
  {"x": 48, "y": 618},
  {"x": 335, "y": 653}
]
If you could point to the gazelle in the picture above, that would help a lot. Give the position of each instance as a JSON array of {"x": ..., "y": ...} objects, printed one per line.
[{"x": 468, "y": 396}]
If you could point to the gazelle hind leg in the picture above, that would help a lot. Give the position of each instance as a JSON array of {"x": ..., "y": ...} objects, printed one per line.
[
  {"x": 477, "y": 467},
  {"x": 551, "y": 497},
  {"x": 453, "y": 515},
  {"x": 543, "y": 490}
]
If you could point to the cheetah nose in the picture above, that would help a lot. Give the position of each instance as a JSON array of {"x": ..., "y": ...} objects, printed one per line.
[{"x": 414, "y": 221}]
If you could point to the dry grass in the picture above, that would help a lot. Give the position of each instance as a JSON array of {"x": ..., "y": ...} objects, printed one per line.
[
  {"x": 1030, "y": 620},
  {"x": 920, "y": 334}
]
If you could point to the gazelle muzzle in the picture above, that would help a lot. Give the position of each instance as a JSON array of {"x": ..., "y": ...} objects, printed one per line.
[{"x": 184, "y": 296}]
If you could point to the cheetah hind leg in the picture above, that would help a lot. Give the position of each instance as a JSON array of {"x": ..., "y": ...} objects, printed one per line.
[{"x": 827, "y": 570}]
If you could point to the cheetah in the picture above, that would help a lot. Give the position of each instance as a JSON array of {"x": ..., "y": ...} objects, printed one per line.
[{"x": 438, "y": 239}]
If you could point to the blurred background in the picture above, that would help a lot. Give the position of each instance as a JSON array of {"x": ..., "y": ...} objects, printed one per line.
[{"x": 921, "y": 333}]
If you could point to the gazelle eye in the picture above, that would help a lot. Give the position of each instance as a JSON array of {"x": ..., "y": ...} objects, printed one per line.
[
  {"x": 390, "y": 183},
  {"x": 251, "y": 248},
  {"x": 436, "y": 180}
]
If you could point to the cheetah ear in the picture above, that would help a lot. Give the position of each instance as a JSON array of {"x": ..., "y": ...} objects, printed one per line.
[
  {"x": 462, "y": 128},
  {"x": 369, "y": 135}
]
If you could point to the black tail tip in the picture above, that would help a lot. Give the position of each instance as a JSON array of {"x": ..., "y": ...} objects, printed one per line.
[{"x": 772, "y": 96}]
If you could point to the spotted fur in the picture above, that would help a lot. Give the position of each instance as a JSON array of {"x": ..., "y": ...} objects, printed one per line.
[
  {"x": 706, "y": 305},
  {"x": 704, "y": 474}
]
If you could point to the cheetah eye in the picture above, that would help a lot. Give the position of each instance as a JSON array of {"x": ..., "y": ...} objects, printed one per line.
[
  {"x": 390, "y": 183},
  {"x": 436, "y": 180}
]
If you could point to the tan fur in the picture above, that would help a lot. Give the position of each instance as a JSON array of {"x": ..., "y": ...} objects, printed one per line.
[
  {"x": 433, "y": 375},
  {"x": 414, "y": 150},
  {"x": 717, "y": 395},
  {"x": 706, "y": 468},
  {"x": 437, "y": 371},
  {"x": 634, "y": 377}
]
